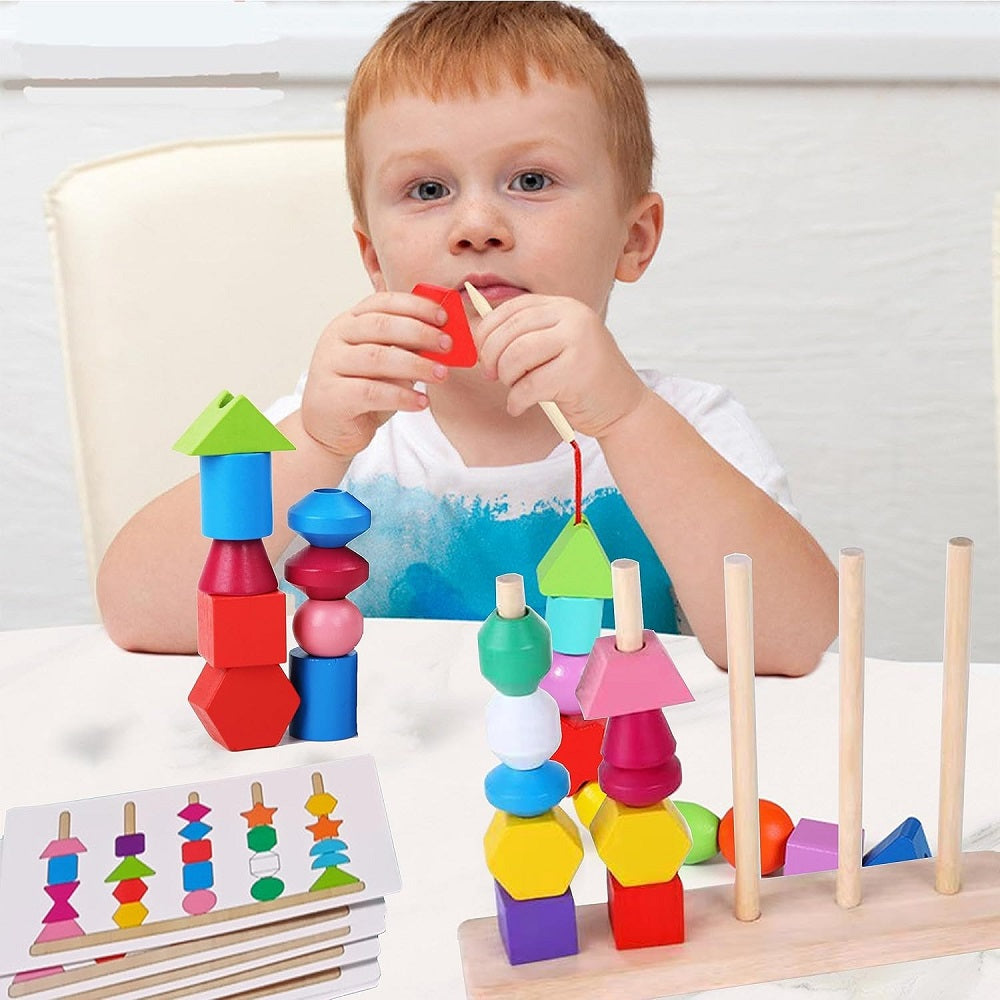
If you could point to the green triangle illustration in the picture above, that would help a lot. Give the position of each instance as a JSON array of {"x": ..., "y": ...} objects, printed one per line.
[
  {"x": 130, "y": 868},
  {"x": 231, "y": 425},
  {"x": 331, "y": 878},
  {"x": 575, "y": 565}
]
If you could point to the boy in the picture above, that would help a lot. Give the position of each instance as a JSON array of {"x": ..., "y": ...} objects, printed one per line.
[{"x": 506, "y": 144}]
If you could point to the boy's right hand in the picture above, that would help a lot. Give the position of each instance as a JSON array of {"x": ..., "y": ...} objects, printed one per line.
[{"x": 364, "y": 367}]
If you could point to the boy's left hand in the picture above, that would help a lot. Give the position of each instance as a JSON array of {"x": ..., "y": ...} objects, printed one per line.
[{"x": 547, "y": 347}]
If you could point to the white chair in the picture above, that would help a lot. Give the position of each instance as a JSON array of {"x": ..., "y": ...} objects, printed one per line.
[{"x": 182, "y": 270}]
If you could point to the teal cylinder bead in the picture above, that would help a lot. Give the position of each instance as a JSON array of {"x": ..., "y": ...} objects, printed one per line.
[
  {"x": 575, "y": 622},
  {"x": 515, "y": 653}
]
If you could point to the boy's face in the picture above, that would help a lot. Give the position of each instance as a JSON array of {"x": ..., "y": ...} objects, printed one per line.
[{"x": 514, "y": 191}]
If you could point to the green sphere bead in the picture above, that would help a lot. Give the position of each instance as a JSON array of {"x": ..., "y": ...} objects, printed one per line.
[
  {"x": 515, "y": 653},
  {"x": 704, "y": 827}
]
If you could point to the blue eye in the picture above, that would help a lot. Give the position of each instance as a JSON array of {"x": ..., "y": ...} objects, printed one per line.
[
  {"x": 428, "y": 191},
  {"x": 530, "y": 180}
]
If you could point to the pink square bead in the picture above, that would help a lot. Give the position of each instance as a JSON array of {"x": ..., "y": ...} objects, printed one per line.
[{"x": 617, "y": 683}]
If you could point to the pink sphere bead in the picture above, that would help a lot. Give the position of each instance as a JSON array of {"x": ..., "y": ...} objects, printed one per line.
[
  {"x": 199, "y": 901},
  {"x": 562, "y": 679},
  {"x": 328, "y": 628}
]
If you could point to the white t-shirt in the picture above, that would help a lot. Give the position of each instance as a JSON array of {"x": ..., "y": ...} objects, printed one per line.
[{"x": 442, "y": 532}]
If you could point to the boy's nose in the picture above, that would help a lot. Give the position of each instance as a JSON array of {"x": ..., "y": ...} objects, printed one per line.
[{"x": 480, "y": 226}]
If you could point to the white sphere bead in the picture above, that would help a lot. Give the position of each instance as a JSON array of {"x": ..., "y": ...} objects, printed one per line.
[{"x": 523, "y": 731}]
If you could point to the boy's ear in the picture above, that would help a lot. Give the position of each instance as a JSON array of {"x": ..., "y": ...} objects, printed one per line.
[
  {"x": 369, "y": 258},
  {"x": 644, "y": 229}
]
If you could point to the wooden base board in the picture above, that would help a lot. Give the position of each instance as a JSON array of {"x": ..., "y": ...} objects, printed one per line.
[{"x": 801, "y": 932}]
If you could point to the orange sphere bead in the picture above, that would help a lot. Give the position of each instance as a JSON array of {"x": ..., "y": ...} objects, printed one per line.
[{"x": 775, "y": 828}]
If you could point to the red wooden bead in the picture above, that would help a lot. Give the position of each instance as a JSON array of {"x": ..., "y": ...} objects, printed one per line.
[
  {"x": 242, "y": 631},
  {"x": 775, "y": 828},
  {"x": 638, "y": 740},
  {"x": 640, "y": 787},
  {"x": 326, "y": 574},
  {"x": 463, "y": 348},
  {"x": 246, "y": 708},
  {"x": 645, "y": 916},
  {"x": 328, "y": 629},
  {"x": 196, "y": 850},
  {"x": 580, "y": 749},
  {"x": 237, "y": 568}
]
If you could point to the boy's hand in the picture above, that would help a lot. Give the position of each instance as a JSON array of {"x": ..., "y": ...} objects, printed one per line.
[
  {"x": 364, "y": 367},
  {"x": 547, "y": 347}
]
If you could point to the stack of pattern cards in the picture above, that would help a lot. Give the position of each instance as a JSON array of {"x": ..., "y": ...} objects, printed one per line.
[{"x": 272, "y": 882}]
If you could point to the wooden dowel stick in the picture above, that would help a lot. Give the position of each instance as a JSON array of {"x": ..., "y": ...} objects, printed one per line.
[
  {"x": 64, "y": 825},
  {"x": 193, "y": 799},
  {"x": 743, "y": 729},
  {"x": 317, "y": 784},
  {"x": 256, "y": 794},
  {"x": 510, "y": 595},
  {"x": 556, "y": 416},
  {"x": 627, "y": 597},
  {"x": 128, "y": 826},
  {"x": 954, "y": 716},
  {"x": 852, "y": 686}
]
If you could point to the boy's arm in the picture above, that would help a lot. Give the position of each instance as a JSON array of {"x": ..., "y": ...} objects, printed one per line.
[
  {"x": 696, "y": 508},
  {"x": 148, "y": 579}
]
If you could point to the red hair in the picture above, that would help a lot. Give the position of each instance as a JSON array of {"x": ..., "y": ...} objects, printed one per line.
[{"x": 450, "y": 49}]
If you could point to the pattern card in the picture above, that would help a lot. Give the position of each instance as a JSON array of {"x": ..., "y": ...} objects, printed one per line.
[{"x": 123, "y": 873}]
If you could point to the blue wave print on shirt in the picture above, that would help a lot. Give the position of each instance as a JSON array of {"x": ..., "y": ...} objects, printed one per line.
[{"x": 438, "y": 557}]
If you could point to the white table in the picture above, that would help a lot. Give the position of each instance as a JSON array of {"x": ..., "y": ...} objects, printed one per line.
[{"x": 80, "y": 718}]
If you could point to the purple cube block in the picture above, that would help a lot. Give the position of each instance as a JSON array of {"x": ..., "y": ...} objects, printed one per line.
[
  {"x": 812, "y": 847},
  {"x": 533, "y": 930},
  {"x": 130, "y": 845}
]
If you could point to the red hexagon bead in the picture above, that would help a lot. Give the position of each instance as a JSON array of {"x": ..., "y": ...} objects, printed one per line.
[{"x": 328, "y": 628}]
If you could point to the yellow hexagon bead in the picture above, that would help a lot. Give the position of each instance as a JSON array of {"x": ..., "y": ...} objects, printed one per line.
[
  {"x": 535, "y": 857},
  {"x": 130, "y": 915},
  {"x": 641, "y": 846},
  {"x": 321, "y": 804},
  {"x": 587, "y": 801}
]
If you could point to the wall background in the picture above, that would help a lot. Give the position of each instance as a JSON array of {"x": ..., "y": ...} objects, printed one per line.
[{"x": 828, "y": 169}]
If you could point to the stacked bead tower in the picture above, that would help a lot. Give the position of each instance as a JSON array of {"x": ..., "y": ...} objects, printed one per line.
[
  {"x": 327, "y": 626},
  {"x": 575, "y": 577},
  {"x": 242, "y": 696},
  {"x": 533, "y": 848},
  {"x": 639, "y": 833}
]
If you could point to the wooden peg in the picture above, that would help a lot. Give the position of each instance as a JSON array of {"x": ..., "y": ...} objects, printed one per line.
[
  {"x": 743, "y": 728},
  {"x": 852, "y": 679},
  {"x": 628, "y": 605},
  {"x": 510, "y": 595},
  {"x": 954, "y": 716}
]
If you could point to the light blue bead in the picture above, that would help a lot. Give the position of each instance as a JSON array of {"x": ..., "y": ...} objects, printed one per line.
[
  {"x": 329, "y": 518},
  {"x": 333, "y": 860},
  {"x": 195, "y": 831},
  {"x": 236, "y": 496},
  {"x": 328, "y": 693},
  {"x": 328, "y": 845},
  {"x": 575, "y": 622},
  {"x": 527, "y": 793},
  {"x": 62, "y": 869},
  {"x": 197, "y": 875}
]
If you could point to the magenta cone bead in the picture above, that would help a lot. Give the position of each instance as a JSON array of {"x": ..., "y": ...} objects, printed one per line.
[{"x": 638, "y": 740}]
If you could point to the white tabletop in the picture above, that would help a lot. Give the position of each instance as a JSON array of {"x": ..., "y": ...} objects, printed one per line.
[{"x": 80, "y": 718}]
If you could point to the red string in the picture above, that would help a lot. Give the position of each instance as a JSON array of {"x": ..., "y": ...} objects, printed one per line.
[{"x": 578, "y": 476}]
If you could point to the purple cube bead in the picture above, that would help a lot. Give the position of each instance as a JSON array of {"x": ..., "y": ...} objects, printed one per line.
[
  {"x": 130, "y": 845},
  {"x": 533, "y": 930}
]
